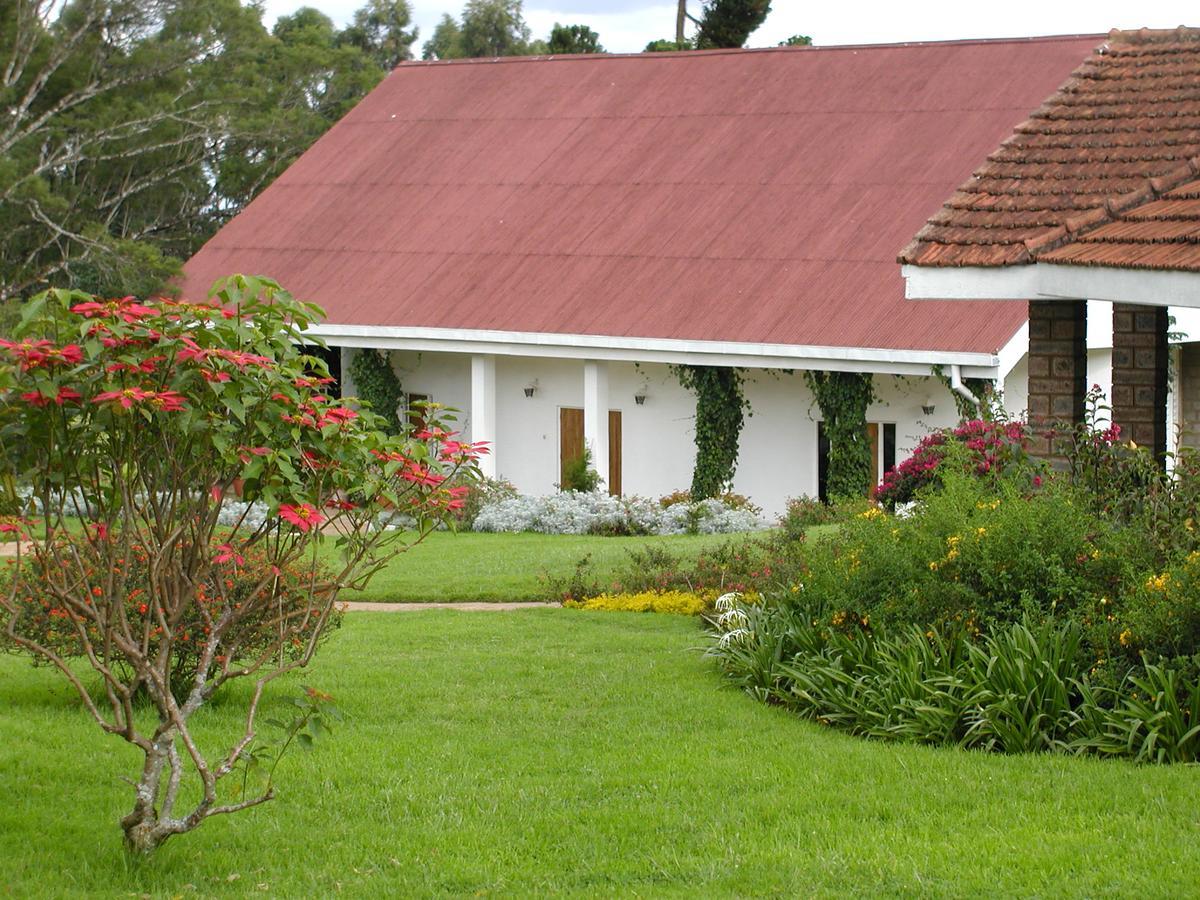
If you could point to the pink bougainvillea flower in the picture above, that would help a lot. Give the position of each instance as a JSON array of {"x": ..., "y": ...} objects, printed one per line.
[
  {"x": 227, "y": 553},
  {"x": 127, "y": 309},
  {"x": 304, "y": 516},
  {"x": 99, "y": 530}
]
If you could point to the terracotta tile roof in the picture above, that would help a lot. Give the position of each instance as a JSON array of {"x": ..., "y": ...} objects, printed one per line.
[
  {"x": 753, "y": 196},
  {"x": 1103, "y": 173}
]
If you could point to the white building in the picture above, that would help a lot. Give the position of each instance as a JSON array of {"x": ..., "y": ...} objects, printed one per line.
[{"x": 537, "y": 241}]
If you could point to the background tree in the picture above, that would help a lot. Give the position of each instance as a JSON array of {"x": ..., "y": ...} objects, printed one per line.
[
  {"x": 497, "y": 28},
  {"x": 378, "y": 29},
  {"x": 133, "y": 130},
  {"x": 722, "y": 23},
  {"x": 728, "y": 23},
  {"x": 573, "y": 39},
  {"x": 446, "y": 41}
]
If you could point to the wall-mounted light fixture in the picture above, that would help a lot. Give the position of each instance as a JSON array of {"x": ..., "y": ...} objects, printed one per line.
[
  {"x": 531, "y": 388},
  {"x": 640, "y": 397},
  {"x": 927, "y": 407}
]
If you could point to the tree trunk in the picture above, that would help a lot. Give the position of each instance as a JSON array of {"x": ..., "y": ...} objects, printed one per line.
[{"x": 680, "y": 21}]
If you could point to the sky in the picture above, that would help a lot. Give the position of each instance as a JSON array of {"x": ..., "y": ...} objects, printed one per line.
[{"x": 626, "y": 26}]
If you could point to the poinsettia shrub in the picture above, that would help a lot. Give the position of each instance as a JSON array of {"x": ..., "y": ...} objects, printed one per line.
[
  {"x": 142, "y": 419},
  {"x": 239, "y": 574}
]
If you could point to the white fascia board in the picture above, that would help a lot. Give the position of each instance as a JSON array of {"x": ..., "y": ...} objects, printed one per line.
[
  {"x": 1014, "y": 351},
  {"x": 1051, "y": 281},
  {"x": 655, "y": 350},
  {"x": 1150, "y": 287},
  {"x": 969, "y": 282}
]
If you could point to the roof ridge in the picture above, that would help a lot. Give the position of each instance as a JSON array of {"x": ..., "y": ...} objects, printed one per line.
[
  {"x": 1142, "y": 36},
  {"x": 1114, "y": 209},
  {"x": 726, "y": 51}
]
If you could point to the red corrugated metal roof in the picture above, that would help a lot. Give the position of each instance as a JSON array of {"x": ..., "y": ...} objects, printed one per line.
[
  {"x": 730, "y": 195},
  {"x": 1080, "y": 182}
]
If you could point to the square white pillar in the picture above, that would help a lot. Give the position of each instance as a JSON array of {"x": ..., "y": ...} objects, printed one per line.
[
  {"x": 483, "y": 409},
  {"x": 595, "y": 414}
]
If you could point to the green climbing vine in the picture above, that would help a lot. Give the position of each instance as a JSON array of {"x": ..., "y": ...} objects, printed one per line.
[
  {"x": 720, "y": 407},
  {"x": 376, "y": 382},
  {"x": 982, "y": 388},
  {"x": 843, "y": 398}
]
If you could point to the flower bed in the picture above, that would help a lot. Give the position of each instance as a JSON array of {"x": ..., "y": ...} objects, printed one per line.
[{"x": 597, "y": 513}]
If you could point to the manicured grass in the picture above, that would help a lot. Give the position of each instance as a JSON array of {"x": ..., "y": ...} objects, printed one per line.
[
  {"x": 446, "y": 566},
  {"x": 556, "y": 752}
]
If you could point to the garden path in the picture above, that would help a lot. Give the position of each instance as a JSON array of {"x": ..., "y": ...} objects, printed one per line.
[{"x": 469, "y": 607}]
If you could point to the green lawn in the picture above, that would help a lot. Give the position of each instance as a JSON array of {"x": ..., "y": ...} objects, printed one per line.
[
  {"x": 556, "y": 752},
  {"x": 447, "y": 567}
]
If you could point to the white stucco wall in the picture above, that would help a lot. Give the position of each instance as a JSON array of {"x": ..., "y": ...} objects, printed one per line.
[{"x": 778, "y": 457}]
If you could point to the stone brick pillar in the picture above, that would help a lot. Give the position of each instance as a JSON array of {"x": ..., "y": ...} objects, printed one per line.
[
  {"x": 1057, "y": 366},
  {"x": 1139, "y": 374},
  {"x": 1189, "y": 395}
]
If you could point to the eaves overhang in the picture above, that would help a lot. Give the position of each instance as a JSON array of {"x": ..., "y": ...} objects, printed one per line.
[
  {"x": 619, "y": 348},
  {"x": 1053, "y": 281}
]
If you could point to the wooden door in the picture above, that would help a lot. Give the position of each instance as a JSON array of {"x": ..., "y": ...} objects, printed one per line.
[
  {"x": 570, "y": 444},
  {"x": 570, "y": 437},
  {"x": 614, "y": 452}
]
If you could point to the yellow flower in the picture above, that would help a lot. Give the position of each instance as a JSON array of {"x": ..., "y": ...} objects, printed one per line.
[
  {"x": 980, "y": 532},
  {"x": 933, "y": 567},
  {"x": 1158, "y": 582},
  {"x": 952, "y": 553},
  {"x": 1126, "y": 637},
  {"x": 873, "y": 513}
]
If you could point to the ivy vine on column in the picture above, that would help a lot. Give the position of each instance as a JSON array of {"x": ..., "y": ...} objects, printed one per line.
[
  {"x": 720, "y": 404},
  {"x": 843, "y": 398},
  {"x": 376, "y": 382}
]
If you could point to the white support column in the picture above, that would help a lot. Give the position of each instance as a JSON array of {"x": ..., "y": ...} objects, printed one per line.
[
  {"x": 347, "y": 383},
  {"x": 483, "y": 409},
  {"x": 595, "y": 414}
]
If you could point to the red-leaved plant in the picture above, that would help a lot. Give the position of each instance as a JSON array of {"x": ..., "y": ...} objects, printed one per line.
[{"x": 128, "y": 424}]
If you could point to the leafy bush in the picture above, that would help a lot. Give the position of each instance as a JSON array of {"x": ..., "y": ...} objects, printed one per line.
[
  {"x": 481, "y": 493},
  {"x": 287, "y": 600},
  {"x": 679, "y": 602},
  {"x": 142, "y": 419},
  {"x": 804, "y": 512},
  {"x": 1010, "y": 608},
  {"x": 1018, "y": 690},
  {"x": 740, "y": 566},
  {"x": 988, "y": 448},
  {"x": 578, "y": 474},
  {"x": 597, "y": 513}
]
